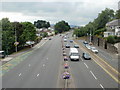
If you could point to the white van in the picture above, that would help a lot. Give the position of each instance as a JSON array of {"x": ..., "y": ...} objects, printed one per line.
[{"x": 74, "y": 54}]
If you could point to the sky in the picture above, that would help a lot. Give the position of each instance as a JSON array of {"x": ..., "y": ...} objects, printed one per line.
[{"x": 75, "y": 12}]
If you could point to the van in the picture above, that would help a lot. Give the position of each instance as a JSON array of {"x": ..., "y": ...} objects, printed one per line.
[{"x": 74, "y": 54}]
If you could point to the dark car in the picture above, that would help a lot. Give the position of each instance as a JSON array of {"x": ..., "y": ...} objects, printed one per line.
[
  {"x": 85, "y": 42},
  {"x": 71, "y": 41},
  {"x": 76, "y": 46},
  {"x": 67, "y": 46},
  {"x": 86, "y": 56},
  {"x": 49, "y": 38}
]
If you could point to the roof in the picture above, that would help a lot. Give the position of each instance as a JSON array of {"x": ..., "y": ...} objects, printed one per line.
[{"x": 114, "y": 23}]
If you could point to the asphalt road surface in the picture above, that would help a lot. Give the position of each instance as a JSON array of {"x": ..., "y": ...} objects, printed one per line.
[
  {"x": 87, "y": 74},
  {"x": 38, "y": 70},
  {"x": 41, "y": 69}
]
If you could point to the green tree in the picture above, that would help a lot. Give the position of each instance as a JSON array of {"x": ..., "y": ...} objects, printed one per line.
[
  {"x": 29, "y": 33},
  {"x": 41, "y": 24},
  {"x": 8, "y": 38},
  {"x": 19, "y": 31},
  {"x": 104, "y": 17},
  {"x": 98, "y": 24},
  {"x": 117, "y": 15},
  {"x": 62, "y": 26}
]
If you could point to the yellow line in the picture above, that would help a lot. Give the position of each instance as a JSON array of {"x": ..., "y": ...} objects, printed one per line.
[
  {"x": 105, "y": 69},
  {"x": 108, "y": 72},
  {"x": 108, "y": 65}
]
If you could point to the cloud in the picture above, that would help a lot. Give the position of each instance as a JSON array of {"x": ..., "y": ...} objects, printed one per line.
[{"x": 79, "y": 12}]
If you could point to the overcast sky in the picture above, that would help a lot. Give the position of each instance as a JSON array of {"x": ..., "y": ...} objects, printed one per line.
[{"x": 75, "y": 12}]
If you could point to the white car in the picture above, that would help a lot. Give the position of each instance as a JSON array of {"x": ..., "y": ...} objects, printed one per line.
[
  {"x": 65, "y": 40},
  {"x": 45, "y": 38},
  {"x": 88, "y": 46},
  {"x": 93, "y": 49}
]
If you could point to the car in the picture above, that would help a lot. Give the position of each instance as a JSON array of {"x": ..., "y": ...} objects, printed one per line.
[
  {"x": 85, "y": 42},
  {"x": 93, "y": 49},
  {"x": 67, "y": 46},
  {"x": 86, "y": 56},
  {"x": 49, "y": 38},
  {"x": 71, "y": 41},
  {"x": 76, "y": 46},
  {"x": 65, "y": 40},
  {"x": 45, "y": 38},
  {"x": 88, "y": 46}
]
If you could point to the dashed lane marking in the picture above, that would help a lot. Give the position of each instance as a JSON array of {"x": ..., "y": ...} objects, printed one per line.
[
  {"x": 93, "y": 75},
  {"x": 20, "y": 74},
  {"x": 102, "y": 87},
  {"x": 43, "y": 65},
  {"x": 86, "y": 65},
  {"x": 116, "y": 79},
  {"x": 29, "y": 65},
  {"x": 38, "y": 75}
]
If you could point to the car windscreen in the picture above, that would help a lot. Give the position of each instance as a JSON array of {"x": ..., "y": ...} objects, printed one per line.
[{"x": 74, "y": 54}]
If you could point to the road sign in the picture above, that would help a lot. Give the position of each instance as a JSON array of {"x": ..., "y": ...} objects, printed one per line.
[{"x": 16, "y": 43}]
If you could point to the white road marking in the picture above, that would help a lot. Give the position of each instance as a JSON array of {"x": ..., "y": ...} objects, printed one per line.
[
  {"x": 42, "y": 44},
  {"x": 86, "y": 65},
  {"x": 47, "y": 58},
  {"x": 20, "y": 74},
  {"x": 43, "y": 65},
  {"x": 102, "y": 86},
  {"x": 38, "y": 75},
  {"x": 81, "y": 58},
  {"x": 29, "y": 65},
  {"x": 93, "y": 75}
]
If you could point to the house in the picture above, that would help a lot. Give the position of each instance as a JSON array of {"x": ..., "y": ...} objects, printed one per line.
[{"x": 113, "y": 28}]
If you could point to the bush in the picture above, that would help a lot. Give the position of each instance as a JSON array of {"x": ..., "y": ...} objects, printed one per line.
[{"x": 111, "y": 39}]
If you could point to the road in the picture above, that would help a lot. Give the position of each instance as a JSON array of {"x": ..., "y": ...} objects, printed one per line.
[
  {"x": 87, "y": 74},
  {"x": 41, "y": 69},
  {"x": 38, "y": 70},
  {"x": 112, "y": 60}
]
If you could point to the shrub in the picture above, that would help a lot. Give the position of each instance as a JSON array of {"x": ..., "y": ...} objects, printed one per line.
[{"x": 111, "y": 39}]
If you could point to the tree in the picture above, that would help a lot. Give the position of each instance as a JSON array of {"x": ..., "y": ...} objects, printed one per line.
[
  {"x": 117, "y": 14},
  {"x": 19, "y": 31},
  {"x": 8, "y": 38},
  {"x": 98, "y": 24},
  {"x": 45, "y": 34},
  {"x": 104, "y": 17},
  {"x": 62, "y": 26},
  {"x": 41, "y": 24},
  {"x": 29, "y": 33}
]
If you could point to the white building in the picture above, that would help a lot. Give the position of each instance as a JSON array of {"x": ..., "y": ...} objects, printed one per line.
[{"x": 113, "y": 28}]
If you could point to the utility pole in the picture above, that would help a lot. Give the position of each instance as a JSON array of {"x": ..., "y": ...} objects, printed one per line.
[
  {"x": 15, "y": 38},
  {"x": 90, "y": 36}
]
